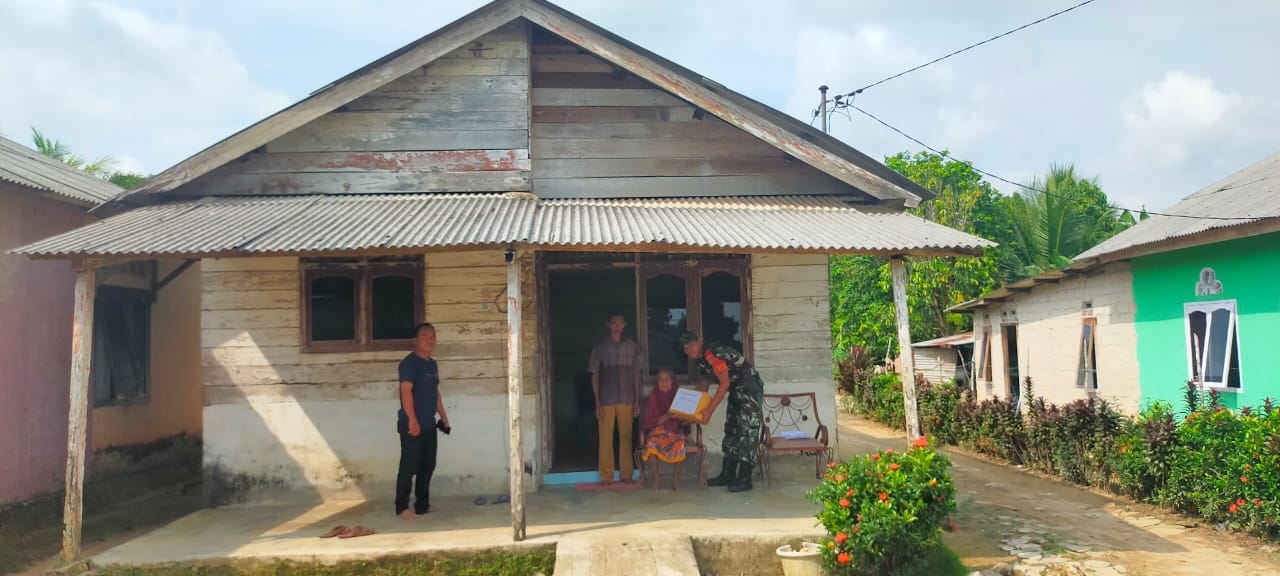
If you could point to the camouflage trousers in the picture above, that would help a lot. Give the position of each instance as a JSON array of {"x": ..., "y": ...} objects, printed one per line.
[{"x": 742, "y": 421}]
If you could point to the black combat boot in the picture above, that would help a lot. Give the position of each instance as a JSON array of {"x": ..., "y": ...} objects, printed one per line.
[
  {"x": 728, "y": 474},
  {"x": 743, "y": 482}
]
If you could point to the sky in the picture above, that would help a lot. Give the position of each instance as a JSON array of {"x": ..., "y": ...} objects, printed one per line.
[{"x": 1155, "y": 99}]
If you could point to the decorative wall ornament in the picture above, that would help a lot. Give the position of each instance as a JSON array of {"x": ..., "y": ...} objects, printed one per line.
[{"x": 1208, "y": 284}]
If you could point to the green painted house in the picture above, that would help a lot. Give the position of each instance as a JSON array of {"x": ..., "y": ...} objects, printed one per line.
[
  {"x": 1192, "y": 294},
  {"x": 1206, "y": 289}
]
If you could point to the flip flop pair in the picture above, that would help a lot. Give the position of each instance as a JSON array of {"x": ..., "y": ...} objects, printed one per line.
[
  {"x": 343, "y": 532},
  {"x": 481, "y": 500}
]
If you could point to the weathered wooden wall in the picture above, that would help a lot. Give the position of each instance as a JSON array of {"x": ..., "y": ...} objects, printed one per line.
[
  {"x": 599, "y": 132},
  {"x": 323, "y": 424},
  {"x": 459, "y": 124}
]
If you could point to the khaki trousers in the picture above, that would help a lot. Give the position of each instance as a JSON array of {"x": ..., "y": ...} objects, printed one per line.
[{"x": 621, "y": 415}]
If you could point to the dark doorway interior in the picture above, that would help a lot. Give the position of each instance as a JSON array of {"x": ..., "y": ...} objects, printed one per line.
[
  {"x": 580, "y": 300},
  {"x": 1011, "y": 361}
]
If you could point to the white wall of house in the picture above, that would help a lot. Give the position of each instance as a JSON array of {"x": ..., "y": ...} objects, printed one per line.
[
  {"x": 1049, "y": 321},
  {"x": 280, "y": 422}
]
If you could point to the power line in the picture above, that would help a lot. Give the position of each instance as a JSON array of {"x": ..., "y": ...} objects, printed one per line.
[
  {"x": 967, "y": 48},
  {"x": 1008, "y": 181}
]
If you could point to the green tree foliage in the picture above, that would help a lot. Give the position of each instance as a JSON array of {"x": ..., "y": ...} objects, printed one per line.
[
  {"x": 1035, "y": 232},
  {"x": 103, "y": 167}
]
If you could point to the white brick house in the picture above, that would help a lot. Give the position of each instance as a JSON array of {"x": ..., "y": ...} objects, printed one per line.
[{"x": 1073, "y": 334}]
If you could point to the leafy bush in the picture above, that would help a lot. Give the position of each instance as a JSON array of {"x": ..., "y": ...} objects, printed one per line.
[
  {"x": 884, "y": 511},
  {"x": 1205, "y": 460}
]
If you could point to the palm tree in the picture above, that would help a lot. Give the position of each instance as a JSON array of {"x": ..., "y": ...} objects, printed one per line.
[
  {"x": 59, "y": 151},
  {"x": 1058, "y": 217}
]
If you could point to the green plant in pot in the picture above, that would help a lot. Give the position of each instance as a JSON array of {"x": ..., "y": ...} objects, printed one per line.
[{"x": 884, "y": 512}]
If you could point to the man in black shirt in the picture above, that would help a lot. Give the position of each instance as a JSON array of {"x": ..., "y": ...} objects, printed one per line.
[{"x": 420, "y": 401}]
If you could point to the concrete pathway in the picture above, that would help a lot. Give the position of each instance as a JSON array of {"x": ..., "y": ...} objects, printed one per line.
[{"x": 624, "y": 556}]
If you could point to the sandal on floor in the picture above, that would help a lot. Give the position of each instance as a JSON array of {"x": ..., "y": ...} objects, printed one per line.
[
  {"x": 337, "y": 531},
  {"x": 356, "y": 532},
  {"x": 481, "y": 501},
  {"x": 502, "y": 499}
]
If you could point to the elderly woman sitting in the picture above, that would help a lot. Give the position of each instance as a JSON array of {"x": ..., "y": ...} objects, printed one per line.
[{"x": 665, "y": 433}]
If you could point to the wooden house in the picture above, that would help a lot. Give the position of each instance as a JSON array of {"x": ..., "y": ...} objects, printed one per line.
[{"x": 509, "y": 177}]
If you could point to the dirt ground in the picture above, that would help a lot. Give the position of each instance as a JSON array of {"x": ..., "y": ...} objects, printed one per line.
[{"x": 998, "y": 502}]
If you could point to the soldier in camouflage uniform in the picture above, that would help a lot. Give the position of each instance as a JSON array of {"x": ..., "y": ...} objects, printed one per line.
[{"x": 742, "y": 421}]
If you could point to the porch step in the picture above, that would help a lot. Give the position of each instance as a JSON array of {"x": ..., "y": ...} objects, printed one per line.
[{"x": 626, "y": 556}]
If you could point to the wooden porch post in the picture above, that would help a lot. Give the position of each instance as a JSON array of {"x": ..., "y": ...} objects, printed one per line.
[
  {"x": 905, "y": 353},
  {"x": 77, "y": 416},
  {"x": 514, "y": 393}
]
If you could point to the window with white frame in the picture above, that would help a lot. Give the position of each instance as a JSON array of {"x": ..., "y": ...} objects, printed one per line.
[{"x": 1213, "y": 347}]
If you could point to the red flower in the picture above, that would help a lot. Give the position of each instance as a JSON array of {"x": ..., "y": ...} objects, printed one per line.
[
  {"x": 875, "y": 456},
  {"x": 859, "y": 517},
  {"x": 1240, "y": 502},
  {"x": 831, "y": 545},
  {"x": 843, "y": 558},
  {"x": 933, "y": 481},
  {"x": 889, "y": 451},
  {"x": 1243, "y": 479},
  {"x": 831, "y": 465},
  {"x": 1257, "y": 502},
  {"x": 893, "y": 467},
  {"x": 857, "y": 529},
  {"x": 841, "y": 537},
  {"x": 850, "y": 492},
  {"x": 1232, "y": 508},
  {"x": 920, "y": 442},
  {"x": 827, "y": 475},
  {"x": 1124, "y": 449},
  {"x": 844, "y": 503},
  {"x": 884, "y": 496},
  {"x": 839, "y": 477}
]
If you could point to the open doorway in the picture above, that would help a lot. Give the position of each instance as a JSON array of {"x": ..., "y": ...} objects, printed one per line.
[
  {"x": 1011, "y": 362},
  {"x": 580, "y": 300}
]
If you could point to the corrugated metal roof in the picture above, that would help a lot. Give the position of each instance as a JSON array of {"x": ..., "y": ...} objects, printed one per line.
[
  {"x": 354, "y": 223},
  {"x": 26, "y": 167},
  {"x": 1250, "y": 195},
  {"x": 778, "y": 223},
  {"x": 946, "y": 341}
]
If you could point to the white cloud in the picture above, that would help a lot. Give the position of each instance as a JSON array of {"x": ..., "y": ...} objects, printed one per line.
[
  {"x": 1166, "y": 119},
  {"x": 112, "y": 81}
]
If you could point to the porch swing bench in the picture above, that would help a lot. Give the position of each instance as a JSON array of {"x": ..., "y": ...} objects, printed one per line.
[{"x": 786, "y": 429}]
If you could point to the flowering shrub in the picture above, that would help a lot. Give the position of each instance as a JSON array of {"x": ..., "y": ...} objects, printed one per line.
[
  {"x": 1204, "y": 460},
  {"x": 884, "y": 511}
]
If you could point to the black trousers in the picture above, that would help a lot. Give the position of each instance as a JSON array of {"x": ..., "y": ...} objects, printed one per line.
[{"x": 417, "y": 464}]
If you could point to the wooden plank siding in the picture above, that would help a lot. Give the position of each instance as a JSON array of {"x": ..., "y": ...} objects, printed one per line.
[
  {"x": 790, "y": 313},
  {"x": 458, "y": 124},
  {"x": 599, "y": 132},
  {"x": 252, "y": 341}
]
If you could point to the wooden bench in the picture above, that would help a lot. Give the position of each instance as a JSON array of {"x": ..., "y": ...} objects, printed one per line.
[{"x": 792, "y": 412}]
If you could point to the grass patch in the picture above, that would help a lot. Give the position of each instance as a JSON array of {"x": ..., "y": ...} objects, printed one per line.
[
  {"x": 496, "y": 563},
  {"x": 941, "y": 561}
]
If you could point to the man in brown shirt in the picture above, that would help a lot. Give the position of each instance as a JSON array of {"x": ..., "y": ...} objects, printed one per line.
[{"x": 616, "y": 370}]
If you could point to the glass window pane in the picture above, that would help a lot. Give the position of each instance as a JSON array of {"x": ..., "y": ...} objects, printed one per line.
[
  {"x": 1216, "y": 349},
  {"x": 1085, "y": 362},
  {"x": 333, "y": 308},
  {"x": 1233, "y": 374},
  {"x": 722, "y": 309},
  {"x": 1196, "y": 326},
  {"x": 667, "y": 319},
  {"x": 392, "y": 301}
]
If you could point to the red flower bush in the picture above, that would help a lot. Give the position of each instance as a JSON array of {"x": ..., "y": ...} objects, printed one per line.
[{"x": 879, "y": 522}]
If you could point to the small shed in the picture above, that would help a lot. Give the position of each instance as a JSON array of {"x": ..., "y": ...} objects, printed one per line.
[{"x": 945, "y": 358}]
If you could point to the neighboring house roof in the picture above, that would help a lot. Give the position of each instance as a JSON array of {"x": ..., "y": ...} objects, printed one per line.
[
  {"x": 315, "y": 224},
  {"x": 947, "y": 341},
  {"x": 1242, "y": 204},
  {"x": 1249, "y": 196},
  {"x": 780, "y": 130},
  {"x": 26, "y": 167}
]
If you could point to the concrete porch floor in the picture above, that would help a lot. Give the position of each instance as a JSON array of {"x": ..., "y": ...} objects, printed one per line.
[{"x": 574, "y": 521}]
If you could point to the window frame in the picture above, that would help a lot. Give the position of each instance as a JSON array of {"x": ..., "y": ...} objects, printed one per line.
[
  {"x": 1087, "y": 358},
  {"x": 693, "y": 272},
  {"x": 363, "y": 272},
  {"x": 100, "y": 338},
  {"x": 1232, "y": 347}
]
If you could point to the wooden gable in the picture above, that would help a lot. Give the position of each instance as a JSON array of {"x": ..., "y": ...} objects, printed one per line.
[{"x": 462, "y": 123}]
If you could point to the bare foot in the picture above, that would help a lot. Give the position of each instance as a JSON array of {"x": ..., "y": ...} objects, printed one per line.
[{"x": 408, "y": 515}]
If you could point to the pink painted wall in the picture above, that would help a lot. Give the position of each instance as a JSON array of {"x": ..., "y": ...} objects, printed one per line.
[{"x": 35, "y": 345}]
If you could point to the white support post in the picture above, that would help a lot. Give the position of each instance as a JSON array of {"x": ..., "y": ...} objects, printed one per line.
[
  {"x": 905, "y": 353},
  {"x": 78, "y": 414},
  {"x": 514, "y": 394}
]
